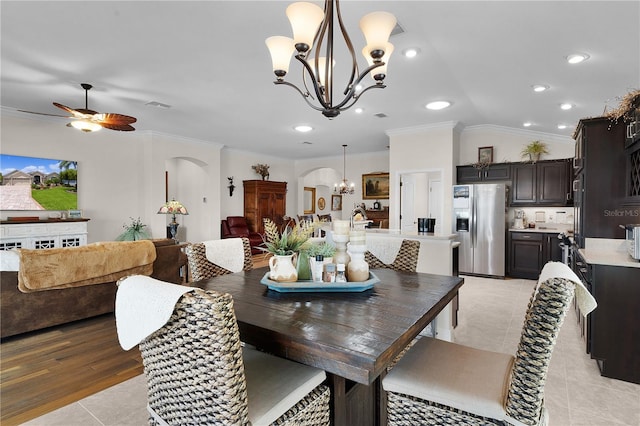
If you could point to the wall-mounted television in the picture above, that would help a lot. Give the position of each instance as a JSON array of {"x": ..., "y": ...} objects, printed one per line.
[{"x": 30, "y": 183}]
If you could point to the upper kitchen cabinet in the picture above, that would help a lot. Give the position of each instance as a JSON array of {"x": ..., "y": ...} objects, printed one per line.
[
  {"x": 544, "y": 183},
  {"x": 490, "y": 173}
]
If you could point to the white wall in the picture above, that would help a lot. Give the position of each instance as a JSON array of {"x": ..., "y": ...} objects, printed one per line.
[
  {"x": 356, "y": 166},
  {"x": 122, "y": 174},
  {"x": 507, "y": 144}
]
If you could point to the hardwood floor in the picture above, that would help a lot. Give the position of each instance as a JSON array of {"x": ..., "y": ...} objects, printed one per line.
[
  {"x": 48, "y": 369},
  {"x": 45, "y": 370}
]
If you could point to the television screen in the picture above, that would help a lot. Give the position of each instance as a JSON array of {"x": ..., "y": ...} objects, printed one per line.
[{"x": 28, "y": 183}]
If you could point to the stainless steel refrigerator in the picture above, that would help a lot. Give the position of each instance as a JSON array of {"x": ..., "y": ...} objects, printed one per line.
[{"x": 479, "y": 222}]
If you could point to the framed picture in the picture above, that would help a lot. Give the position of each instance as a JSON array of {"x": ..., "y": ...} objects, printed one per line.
[
  {"x": 375, "y": 186},
  {"x": 75, "y": 214},
  {"x": 485, "y": 154},
  {"x": 321, "y": 203},
  {"x": 309, "y": 201},
  {"x": 336, "y": 202}
]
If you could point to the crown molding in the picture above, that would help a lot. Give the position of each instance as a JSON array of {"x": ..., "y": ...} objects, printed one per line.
[{"x": 548, "y": 137}]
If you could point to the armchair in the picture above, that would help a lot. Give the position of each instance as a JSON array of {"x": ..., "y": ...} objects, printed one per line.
[{"x": 237, "y": 227}]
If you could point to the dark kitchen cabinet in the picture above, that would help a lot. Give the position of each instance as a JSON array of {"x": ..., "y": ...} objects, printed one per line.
[
  {"x": 601, "y": 202},
  {"x": 526, "y": 254},
  {"x": 493, "y": 172},
  {"x": 545, "y": 183},
  {"x": 530, "y": 251},
  {"x": 611, "y": 330}
]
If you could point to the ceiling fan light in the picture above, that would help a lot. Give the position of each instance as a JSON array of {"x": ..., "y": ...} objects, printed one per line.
[
  {"x": 377, "y": 27},
  {"x": 388, "y": 50},
  {"x": 305, "y": 18},
  {"x": 86, "y": 125},
  {"x": 281, "y": 48}
]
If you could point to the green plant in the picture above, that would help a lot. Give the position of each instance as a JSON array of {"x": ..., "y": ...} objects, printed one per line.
[
  {"x": 325, "y": 249},
  {"x": 291, "y": 240},
  {"x": 134, "y": 231},
  {"x": 534, "y": 150}
]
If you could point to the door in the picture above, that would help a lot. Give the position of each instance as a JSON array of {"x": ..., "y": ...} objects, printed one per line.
[
  {"x": 462, "y": 221},
  {"x": 408, "y": 222},
  {"x": 489, "y": 233},
  {"x": 435, "y": 203}
]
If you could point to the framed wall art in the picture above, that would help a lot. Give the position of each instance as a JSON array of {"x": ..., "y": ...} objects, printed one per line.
[
  {"x": 336, "y": 202},
  {"x": 375, "y": 186},
  {"x": 485, "y": 154}
]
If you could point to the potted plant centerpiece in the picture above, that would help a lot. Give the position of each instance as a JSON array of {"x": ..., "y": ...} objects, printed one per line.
[
  {"x": 285, "y": 247},
  {"x": 534, "y": 150}
]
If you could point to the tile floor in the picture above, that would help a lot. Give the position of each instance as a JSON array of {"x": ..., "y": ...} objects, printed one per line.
[{"x": 490, "y": 317}]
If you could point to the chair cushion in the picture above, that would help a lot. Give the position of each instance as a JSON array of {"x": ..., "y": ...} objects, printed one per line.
[
  {"x": 458, "y": 376},
  {"x": 274, "y": 385}
]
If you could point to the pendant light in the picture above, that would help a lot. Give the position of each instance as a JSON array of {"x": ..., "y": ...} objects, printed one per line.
[{"x": 344, "y": 187}]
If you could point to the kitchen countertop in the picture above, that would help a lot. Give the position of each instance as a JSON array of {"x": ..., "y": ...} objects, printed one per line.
[
  {"x": 549, "y": 230},
  {"x": 612, "y": 252},
  {"x": 415, "y": 235}
]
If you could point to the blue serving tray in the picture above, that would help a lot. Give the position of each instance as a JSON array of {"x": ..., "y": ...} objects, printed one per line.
[{"x": 318, "y": 287}]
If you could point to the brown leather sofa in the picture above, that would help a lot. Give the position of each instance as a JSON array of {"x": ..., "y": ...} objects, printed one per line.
[
  {"x": 237, "y": 227},
  {"x": 22, "y": 312}
]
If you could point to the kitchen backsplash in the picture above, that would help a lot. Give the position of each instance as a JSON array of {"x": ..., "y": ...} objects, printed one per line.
[{"x": 562, "y": 217}]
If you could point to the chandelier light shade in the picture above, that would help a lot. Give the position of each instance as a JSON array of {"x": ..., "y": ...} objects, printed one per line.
[
  {"x": 314, "y": 33},
  {"x": 344, "y": 187},
  {"x": 173, "y": 208}
]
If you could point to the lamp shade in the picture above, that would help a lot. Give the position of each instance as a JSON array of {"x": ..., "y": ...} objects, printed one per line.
[
  {"x": 173, "y": 207},
  {"x": 305, "y": 19},
  {"x": 86, "y": 125},
  {"x": 322, "y": 75},
  {"x": 281, "y": 48},
  {"x": 388, "y": 50},
  {"x": 377, "y": 27}
]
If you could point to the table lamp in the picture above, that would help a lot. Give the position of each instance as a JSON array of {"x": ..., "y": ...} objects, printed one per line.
[{"x": 173, "y": 208}]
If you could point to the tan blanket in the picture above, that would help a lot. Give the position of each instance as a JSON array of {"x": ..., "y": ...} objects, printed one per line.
[{"x": 85, "y": 265}]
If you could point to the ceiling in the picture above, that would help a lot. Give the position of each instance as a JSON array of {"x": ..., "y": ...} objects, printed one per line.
[{"x": 208, "y": 61}]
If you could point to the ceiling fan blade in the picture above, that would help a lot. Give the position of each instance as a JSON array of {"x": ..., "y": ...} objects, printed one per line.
[
  {"x": 44, "y": 113},
  {"x": 83, "y": 114},
  {"x": 121, "y": 127},
  {"x": 113, "y": 118}
]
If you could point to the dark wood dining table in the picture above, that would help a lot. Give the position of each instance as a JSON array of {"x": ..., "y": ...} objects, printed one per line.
[{"x": 354, "y": 337}]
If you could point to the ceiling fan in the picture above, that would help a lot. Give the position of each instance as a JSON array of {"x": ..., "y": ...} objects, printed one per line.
[{"x": 88, "y": 120}]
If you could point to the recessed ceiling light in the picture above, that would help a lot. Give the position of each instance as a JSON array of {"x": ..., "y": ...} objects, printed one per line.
[
  {"x": 436, "y": 105},
  {"x": 576, "y": 58},
  {"x": 411, "y": 52},
  {"x": 566, "y": 106},
  {"x": 303, "y": 128},
  {"x": 359, "y": 110},
  {"x": 539, "y": 87},
  {"x": 562, "y": 126},
  {"x": 527, "y": 124}
]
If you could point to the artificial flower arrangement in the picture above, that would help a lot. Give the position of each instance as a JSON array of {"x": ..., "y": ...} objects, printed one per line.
[
  {"x": 134, "y": 231},
  {"x": 261, "y": 169},
  {"x": 291, "y": 240}
]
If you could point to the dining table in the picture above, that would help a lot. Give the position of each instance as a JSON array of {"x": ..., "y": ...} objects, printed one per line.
[{"x": 353, "y": 336}]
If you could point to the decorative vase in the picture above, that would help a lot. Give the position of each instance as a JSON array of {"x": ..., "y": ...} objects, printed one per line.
[
  {"x": 282, "y": 268},
  {"x": 341, "y": 255},
  {"x": 302, "y": 267},
  {"x": 358, "y": 268}
]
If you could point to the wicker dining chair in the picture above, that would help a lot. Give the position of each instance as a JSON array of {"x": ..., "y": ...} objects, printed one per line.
[
  {"x": 200, "y": 268},
  {"x": 406, "y": 260},
  {"x": 443, "y": 383},
  {"x": 198, "y": 373}
]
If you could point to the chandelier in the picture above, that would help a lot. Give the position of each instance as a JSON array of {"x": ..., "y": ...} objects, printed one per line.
[
  {"x": 313, "y": 40},
  {"x": 345, "y": 187}
]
